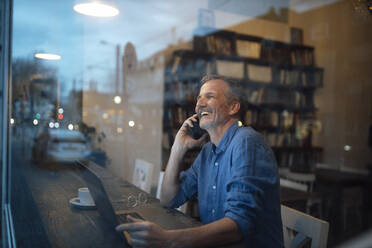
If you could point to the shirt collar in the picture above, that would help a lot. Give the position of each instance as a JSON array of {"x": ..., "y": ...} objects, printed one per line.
[{"x": 226, "y": 138}]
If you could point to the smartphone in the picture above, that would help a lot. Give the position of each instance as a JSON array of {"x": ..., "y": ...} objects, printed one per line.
[
  {"x": 196, "y": 132},
  {"x": 123, "y": 217}
]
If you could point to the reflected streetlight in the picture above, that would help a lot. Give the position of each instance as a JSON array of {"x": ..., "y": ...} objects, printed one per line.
[
  {"x": 47, "y": 56},
  {"x": 105, "y": 116},
  {"x": 117, "y": 99},
  {"x": 96, "y": 9}
]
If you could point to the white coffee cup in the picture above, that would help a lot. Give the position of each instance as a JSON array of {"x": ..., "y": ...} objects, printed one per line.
[{"x": 85, "y": 197}]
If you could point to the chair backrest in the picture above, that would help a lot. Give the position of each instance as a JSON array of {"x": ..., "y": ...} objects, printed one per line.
[
  {"x": 301, "y": 181},
  {"x": 300, "y": 228},
  {"x": 293, "y": 185}
]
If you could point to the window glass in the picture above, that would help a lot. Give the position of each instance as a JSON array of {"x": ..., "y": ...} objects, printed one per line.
[{"x": 115, "y": 90}]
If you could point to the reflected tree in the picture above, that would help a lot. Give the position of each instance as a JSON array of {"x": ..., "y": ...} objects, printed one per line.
[{"x": 34, "y": 85}]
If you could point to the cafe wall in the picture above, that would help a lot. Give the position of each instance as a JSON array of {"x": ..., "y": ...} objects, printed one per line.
[{"x": 343, "y": 47}]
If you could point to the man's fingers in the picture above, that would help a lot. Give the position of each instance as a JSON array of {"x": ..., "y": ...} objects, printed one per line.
[
  {"x": 188, "y": 122},
  {"x": 132, "y": 219},
  {"x": 131, "y": 227}
]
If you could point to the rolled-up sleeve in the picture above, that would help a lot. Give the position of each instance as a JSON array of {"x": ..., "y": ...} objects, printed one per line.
[
  {"x": 188, "y": 184},
  {"x": 252, "y": 173}
]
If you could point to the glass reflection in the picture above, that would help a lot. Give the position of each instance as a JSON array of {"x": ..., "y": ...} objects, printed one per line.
[{"x": 126, "y": 83}]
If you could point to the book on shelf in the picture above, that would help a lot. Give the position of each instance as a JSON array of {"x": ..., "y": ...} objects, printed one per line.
[
  {"x": 303, "y": 76},
  {"x": 274, "y": 118},
  {"x": 230, "y": 69},
  {"x": 299, "y": 102},
  {"x": 279, "y": 139},
  {"x": 248, "y": 117},
  {"x": 287, "y": 120},
  {"x": 283, "y": 76},
  {"x": 218, "y": 45},
  {"x": 303, "y": 57},
  {"x": 293, "y": 79},
  {"x": 253, "y": 96},
  {"x": 176, "y": 62},
  {"x": 260, "y": 96},
  {"x": 270, "y": 138},
  {"x": 248, "y": 49},
  {"x": 259, "y": 73},
  {"x": 252, "y": 117}
]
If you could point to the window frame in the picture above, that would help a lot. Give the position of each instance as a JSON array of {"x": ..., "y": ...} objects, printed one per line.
[{"x": 7, "y": 228}]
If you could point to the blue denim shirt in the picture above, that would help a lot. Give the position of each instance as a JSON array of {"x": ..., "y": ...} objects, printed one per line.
[{"x": 237, "y": 179}]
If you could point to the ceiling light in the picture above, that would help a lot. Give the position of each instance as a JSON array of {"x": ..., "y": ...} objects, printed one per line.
[
  {"x": 47, "y": 56},
  {"x": 96, "y": 9}
]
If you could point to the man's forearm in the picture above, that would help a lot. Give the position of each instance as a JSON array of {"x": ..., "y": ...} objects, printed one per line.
[
  {"x": 170, "y": 184},
  {"x": 220, "y": 232}
]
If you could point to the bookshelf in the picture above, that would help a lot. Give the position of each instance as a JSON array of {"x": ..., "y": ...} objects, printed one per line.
[{"x": 278, "y": 80}]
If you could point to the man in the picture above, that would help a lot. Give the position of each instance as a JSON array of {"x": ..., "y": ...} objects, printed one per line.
[{"x": 234, "y": 176}]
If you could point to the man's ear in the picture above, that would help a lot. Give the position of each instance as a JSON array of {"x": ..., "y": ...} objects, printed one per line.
[{"x": 234, "y": 108}]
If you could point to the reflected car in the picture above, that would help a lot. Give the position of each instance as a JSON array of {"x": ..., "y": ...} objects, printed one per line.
[{"x": 60, "y": 145}]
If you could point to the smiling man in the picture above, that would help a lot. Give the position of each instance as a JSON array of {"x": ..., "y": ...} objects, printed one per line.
[{"x": 234, "y": 176}]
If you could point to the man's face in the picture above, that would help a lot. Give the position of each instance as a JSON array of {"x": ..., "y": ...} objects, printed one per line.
[{"x": 212, "y": 106}]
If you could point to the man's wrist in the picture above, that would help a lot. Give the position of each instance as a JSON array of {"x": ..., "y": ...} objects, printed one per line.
[
  {"x": 175, "y": 239},
  {"x": 177, "y": 151}
]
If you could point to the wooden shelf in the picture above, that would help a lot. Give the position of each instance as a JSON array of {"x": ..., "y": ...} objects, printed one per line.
[
  {"x": 234, "y": 58},
  {"x": 278, "y": 78}
]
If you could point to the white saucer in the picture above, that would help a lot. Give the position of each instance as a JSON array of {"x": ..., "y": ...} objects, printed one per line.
[{"x": 76, "y": 203}]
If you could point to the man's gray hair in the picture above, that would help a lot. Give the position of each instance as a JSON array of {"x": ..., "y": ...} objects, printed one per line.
[
  {"x": 235, "y": 88},
  {"x": 235, "y": 92}
]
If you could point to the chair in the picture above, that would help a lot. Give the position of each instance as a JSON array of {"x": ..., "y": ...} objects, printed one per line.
[
  {"x": 300, "y": 229},
  {"x": 303, "y": 182}
]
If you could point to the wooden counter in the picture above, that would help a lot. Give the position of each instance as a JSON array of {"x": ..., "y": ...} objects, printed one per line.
[{"x": 66, "y": 226}]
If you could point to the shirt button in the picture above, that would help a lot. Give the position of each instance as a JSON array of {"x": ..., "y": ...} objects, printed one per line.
[
  {"x": 216, "y": 164},
  {"x": 214, "y": 187}
]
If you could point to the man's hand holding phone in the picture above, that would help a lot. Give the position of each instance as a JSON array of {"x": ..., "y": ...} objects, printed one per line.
[{"x": 184, "y": 140}]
